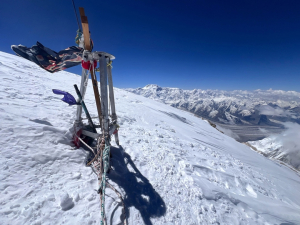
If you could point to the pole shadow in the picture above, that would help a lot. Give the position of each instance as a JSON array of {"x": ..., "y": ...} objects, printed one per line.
[{"x": 138, "y": 190}]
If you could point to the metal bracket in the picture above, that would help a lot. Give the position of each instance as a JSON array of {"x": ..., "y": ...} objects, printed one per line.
[{"x": 90, "y": 56}]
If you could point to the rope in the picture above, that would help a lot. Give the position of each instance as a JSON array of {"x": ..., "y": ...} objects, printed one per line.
[
  {"x": 96, "y": 156},
  {"x": 110, "y": 63},
  {"x": 120, "y": 196},
  {"x": 100, "y": 181},
  {"x": 76, "y": 15},
  {"x": 105, "y": 159},
  {"x": 100, "y": 170},
  {"x": 78, "y": 36}
]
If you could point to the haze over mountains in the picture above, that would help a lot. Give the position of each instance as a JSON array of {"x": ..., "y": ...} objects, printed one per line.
[{"x": 232, "y": 109}]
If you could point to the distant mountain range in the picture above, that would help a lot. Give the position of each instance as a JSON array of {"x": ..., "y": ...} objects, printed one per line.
[
  {"x": 243, "y": 115},
  {"x": 259, "y": 107}
]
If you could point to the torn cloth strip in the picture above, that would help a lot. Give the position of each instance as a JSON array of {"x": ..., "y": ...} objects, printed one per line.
[
  {"x": 48, "y": 59},
  {"x": 87, "y": 65}
]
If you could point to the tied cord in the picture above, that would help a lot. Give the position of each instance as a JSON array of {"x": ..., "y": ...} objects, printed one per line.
[
  {"x": 109, "y": 64},
  {"x": 105, "y": 161},
  {"x": 76, "y": 15},
  {"x": 78, "y": 36}
]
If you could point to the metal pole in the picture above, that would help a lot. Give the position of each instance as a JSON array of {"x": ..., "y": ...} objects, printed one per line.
[
  {"x": 112, "y": 99},
  {"x": 83, "y": 86},
  {"x": 85, "y": 109},
  {"x": 103, "y": 91}
]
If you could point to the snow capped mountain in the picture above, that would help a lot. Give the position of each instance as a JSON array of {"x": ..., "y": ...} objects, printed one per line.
[
  {"x": 284, "y": 147},
  {"x": 260, "y": 108},
  {"x": 171, "y": 168}
]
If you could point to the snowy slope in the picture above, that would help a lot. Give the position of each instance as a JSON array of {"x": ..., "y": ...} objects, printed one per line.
[{"x": 172, "y": 167}]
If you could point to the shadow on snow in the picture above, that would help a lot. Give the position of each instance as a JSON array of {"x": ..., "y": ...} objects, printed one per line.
[{"x": 138, "y": 190}]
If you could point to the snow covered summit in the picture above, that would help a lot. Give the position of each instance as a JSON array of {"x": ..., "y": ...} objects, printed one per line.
[{"x": 171, "y": 168}]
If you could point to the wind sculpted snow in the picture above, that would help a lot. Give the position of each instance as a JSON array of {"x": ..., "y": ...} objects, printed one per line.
[{"x": 171, "y": 167}]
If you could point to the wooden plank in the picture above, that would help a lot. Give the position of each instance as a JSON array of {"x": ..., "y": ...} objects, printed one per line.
[
  {"x": 85, "y": 29},
  {"x": 81, "y": 11},
  {"x": 87, "y": 46}
]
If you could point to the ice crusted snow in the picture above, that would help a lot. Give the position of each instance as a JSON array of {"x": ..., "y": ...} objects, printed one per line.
[{"x": 171, "y": 168}]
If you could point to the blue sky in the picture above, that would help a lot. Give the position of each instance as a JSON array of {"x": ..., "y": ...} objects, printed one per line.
[{"x": 215, "y": 44}]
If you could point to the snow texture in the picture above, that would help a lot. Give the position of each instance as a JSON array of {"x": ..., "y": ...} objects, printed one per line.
[{"x": 171, "y": 167}]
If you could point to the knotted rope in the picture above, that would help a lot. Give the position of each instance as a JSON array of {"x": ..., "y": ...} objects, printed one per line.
[{"x": 105, "y": 161}]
